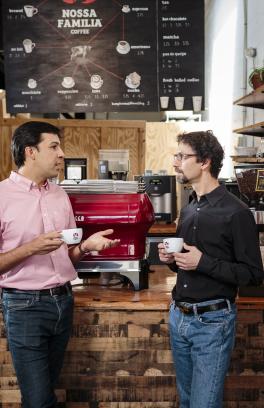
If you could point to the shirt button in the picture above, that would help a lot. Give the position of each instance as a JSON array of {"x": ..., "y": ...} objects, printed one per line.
[
  {"x": 198, "y": 209},
  {"x": 185, "y": 286},
  {"x": 194, "y": 227}
]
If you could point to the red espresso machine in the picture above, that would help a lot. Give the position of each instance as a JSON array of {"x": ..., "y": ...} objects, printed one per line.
[{"x": 122, "y": 206}]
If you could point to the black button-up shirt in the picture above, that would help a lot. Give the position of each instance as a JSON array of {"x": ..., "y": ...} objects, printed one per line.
[{"x": 223, "y": 228}]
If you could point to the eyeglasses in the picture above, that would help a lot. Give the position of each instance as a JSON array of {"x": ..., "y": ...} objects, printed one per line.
[{"x": 183, "y": 156}]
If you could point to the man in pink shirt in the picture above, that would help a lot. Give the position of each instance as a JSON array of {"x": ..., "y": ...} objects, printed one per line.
[{"x": 36, "y": 266}]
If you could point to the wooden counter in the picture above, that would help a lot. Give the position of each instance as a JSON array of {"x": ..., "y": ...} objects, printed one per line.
[
  {"x": 162, "y": 229},
  {"x": 119, "y": 353}
]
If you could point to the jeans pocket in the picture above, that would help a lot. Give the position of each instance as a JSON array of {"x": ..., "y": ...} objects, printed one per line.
[
  {"x": 215, "y": 318},
  {"x": 17, "y": 303}
]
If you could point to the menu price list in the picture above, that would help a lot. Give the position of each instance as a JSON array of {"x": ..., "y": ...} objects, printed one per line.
[
  {"x": 181, "y": 53},
  {"x": 80, "y": 56}
]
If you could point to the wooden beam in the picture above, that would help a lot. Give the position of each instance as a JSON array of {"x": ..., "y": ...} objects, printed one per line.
[{"x": 140, "y": 124}]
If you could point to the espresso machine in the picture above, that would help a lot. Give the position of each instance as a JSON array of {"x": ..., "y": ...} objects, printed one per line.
[
  {"x": 162, "y": 193},
  {"x": 250, "y": 179},
  {"x": 123, "y": 207}
]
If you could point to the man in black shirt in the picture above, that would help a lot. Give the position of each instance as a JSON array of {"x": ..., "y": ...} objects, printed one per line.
[{"x": 221, "y": 252}]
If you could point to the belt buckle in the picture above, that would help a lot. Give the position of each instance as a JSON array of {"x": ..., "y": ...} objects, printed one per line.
[
  {"x": 60, "y": 290},
  {"x": 52, "y": 291},
  {"x": 56, "y": 291},
  {"x": 185, "y": 309}
]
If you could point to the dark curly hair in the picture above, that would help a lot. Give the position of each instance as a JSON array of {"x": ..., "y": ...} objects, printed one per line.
[
  {"x": 206, "y": 146},
  {"x": 29, "y": 134}
]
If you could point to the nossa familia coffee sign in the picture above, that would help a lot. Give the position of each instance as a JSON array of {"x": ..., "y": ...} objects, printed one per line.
[{"x": 79, "y": 18}]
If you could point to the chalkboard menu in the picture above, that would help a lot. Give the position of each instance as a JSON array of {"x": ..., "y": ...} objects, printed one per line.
[
  {"x": 181, "y": 53},
  {"x": 101, "y": 55}
]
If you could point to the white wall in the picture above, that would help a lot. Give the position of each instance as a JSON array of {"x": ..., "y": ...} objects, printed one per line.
[
  {"x": 224, "y": 71},
  {"x": 256, "y": 40},
  {"x": 231, "y": 26}
]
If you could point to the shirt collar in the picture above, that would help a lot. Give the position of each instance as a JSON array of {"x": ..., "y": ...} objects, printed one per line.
[
  {"x": 214, "y": 195},
  {"x": 26, "y": 183}
]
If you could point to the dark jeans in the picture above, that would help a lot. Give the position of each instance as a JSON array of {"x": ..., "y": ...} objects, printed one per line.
[{"x": 38, "y": 329}]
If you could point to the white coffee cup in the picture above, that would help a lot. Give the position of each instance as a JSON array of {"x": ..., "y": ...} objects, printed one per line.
[
  {"x": 173, "y": 244},
  {"x": 179, "y": 102},
  {"x": 164, "y": 102},
  {"x": 126, "y": 8},
  {"x": 72, "y": 236},
  {"x": 28, "y": 45},
  {"x": 32, "y": 83},
  {"x": 123, "y": 47},
  {"x": 96, "y": 81},
  {"x": 68, "y": 82},
  {"x": 30, "y": 10},
  {"x": 197, "y": 103}
]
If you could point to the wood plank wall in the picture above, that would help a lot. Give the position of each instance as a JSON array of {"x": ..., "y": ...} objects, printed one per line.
[
  {"x": 84, "y": 138},
  {"x": 122, "y": 359},
  {"x": 150, "y": 145},
  {"x": 161, "y": 144}
]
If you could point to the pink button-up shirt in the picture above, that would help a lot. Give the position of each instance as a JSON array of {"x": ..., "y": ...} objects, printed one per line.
[{"x": 26, "y": 212}]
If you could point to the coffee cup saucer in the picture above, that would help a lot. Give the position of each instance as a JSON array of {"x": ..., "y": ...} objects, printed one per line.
[
  {"x": 68, "y": 84},
  {"x": 130, "y": 85}
]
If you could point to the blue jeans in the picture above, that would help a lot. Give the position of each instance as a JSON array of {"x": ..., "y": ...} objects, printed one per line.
[
  {"x": 201, "y": 346},
  {"x": 38, "y": 329}
]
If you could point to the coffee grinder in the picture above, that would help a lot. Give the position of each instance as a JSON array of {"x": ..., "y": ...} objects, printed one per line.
[
  {"x": 162, "y": 193},
  {"x": 250, "y": 179}
]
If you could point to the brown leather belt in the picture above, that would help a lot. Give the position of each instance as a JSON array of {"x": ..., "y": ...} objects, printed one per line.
[
  {"x": 57, "y": 291},
  {"x": 201, "y": 309}
]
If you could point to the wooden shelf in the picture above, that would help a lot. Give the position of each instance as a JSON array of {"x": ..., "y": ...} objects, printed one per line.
[
  {"x": 245, "y": 159},
  {"x": 254, "y": 100},
  {"x": 253, "y": 130}
]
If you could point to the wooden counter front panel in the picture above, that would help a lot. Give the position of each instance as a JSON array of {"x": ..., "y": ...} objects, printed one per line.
[
  {"x": 122, "y": 359},
  {"x": 119, "y": 356}
]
